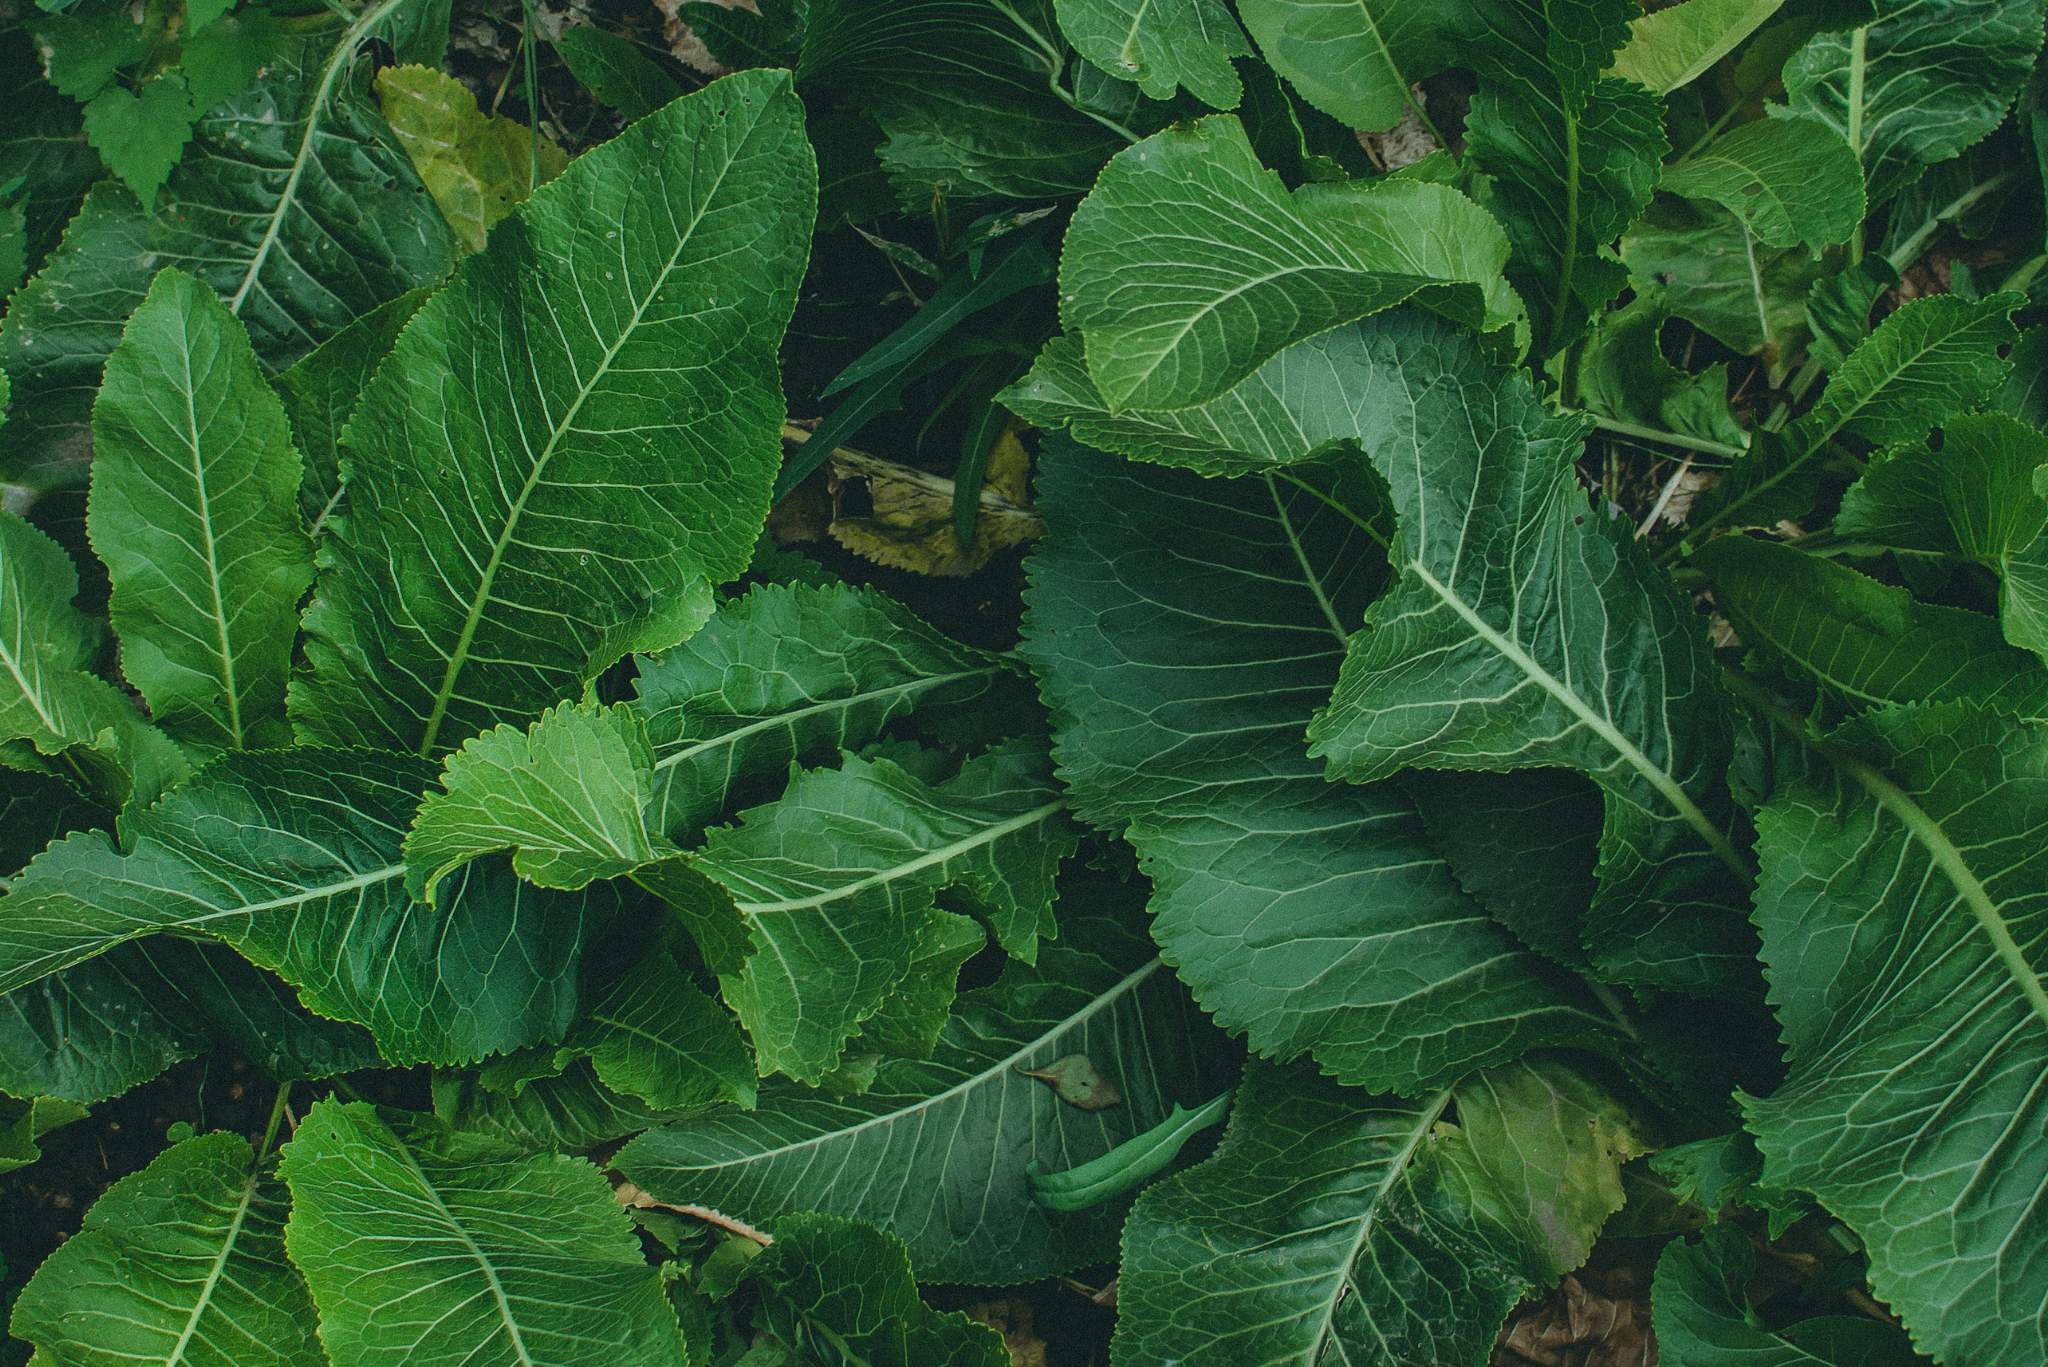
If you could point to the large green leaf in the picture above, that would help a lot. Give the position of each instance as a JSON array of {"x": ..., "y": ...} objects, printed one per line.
[
  {"x": 1336, "y": 1227},
  {"x": 937, "y": 1151},
  {"x": 1712, "y": 272},
  {"x": 1162, "y": 45},
  {"x": 425, "y": 1245},
  {"x": 1353, "y": 59},
  {"x": 570, "y": 1111},
  {"x": 92, "y": 1031},
  {"x": 1190, "y": 264},
  {"x": 1866, "y": 643},
  {"x": 321, "y": 390},
  {"x": 1904, "y": 911},
  {"x": 1183, "y": 632},
  {"x": 813, "y": 908},
  {"x": 506, "y": 538},
  {"x": 1980, "y": 497},
  {"x": 789, "y": 673},
  {"x": 1792, "y": 181},
  {"x": 194, "y": 510},
  {"x": 1528, "y": 630},
  {"x": 293, "y": 858},
  {"x": 1927, "y": 80},
  {"x": 183, "y": 1262}
]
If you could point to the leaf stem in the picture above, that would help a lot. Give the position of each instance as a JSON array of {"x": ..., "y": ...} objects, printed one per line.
[
  {"x": 1859, "y": 58},
  {"x": 277, "y": 1108},
  {"x": 1705, "y": 446}
]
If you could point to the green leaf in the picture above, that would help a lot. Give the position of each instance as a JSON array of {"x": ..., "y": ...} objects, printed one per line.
[
  {"x": 571, "y": 1111},
  {"x": 1183, "y": 632},
  {"x": 73, "y": 722},
  {"x": 789, "y": 674},
  {"x": 565, "y": 795},
  {"x": 1977, "y": 498},
  {"x": 1190, "y": 265},
  {"x": 321, "y": 391},
  {"x": 391, "y": 1211},
  {"x": 183, "y": 1262},
  {"x": 292, "y": 857},
  {"x": 1903, "y": 915},
  {"x": 1865, "y": 643},
  {"x": 812, "y": 908},
  {"x": 1353, "y": 59},
  {"x": 1678, "y": 44},
  {"x": 846, "y": 1287},
  {"x": 92, "y": 1031},
  {"x": 1130, "y": 1164},
  {"x": 24, "y": 1123},
  {"x": 937, "y": 1151},
  {"x": 1926, "y": 81},
  {"x": 1711, "y": 272},
  {"x": 1499, "y": 549},
  {"x": 653, "y": 1035},
  {"x": 193, "y": 510},
  {"x": 242, "y": 1007},
  {"x": 477, "y": 166},
  {"x": 1332, "y": 1226},
  {"x": 142, "y": 135},
  {"x": 1622, "y": 373},
  {"x": 1161, "y": 45},
  {"x": 616, "y": 71},
  {"x": 82, "y": 52},
  {"x": 226, "y": 57},
  {"x": 1792, "y": 181},
  {"x": 494, "y": 556},
  {"x": 1703, "y": 1318}
]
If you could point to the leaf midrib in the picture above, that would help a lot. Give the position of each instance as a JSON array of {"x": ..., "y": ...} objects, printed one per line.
[
  {"x": 204, "y": 512},
  {"x": 1370, "y": 1219},
  {"x": 503, "y": 1302},
  {"x": 213, "y": 1273},
  {"x": 779, "y": 719},
  {"x": 459, "y": 657}
]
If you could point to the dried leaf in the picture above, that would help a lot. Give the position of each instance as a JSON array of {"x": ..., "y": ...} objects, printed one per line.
[{"x": 1078, "y": 1082}]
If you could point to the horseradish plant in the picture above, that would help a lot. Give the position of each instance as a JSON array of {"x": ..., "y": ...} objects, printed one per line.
[{"x": 1528, "y": 694}]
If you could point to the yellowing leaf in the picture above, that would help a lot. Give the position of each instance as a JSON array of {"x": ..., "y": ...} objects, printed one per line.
[
  {"x": 476, "y": 165},
  {"x": 910, "y": 523}
]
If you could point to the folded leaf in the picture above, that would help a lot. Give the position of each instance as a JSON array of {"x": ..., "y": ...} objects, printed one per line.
[
  {"x": 402, "y": 1228},
  {"x": 194, "y": 491},
  {"x": 1190, "y": 264},
  {"x": 936, "y": 1151},
  {"x": 293, "y": 858},
  {"x": 789, "y": 674},
  {"x": 506, "y": 540},
  {"x": 476, "y": 165},
  {"x": 1332, "y": 1226},
  {"x": 1792, "y": 181},
  {"x": 1866, "y": 643},
  {"x": 181, "y": 1262},
  {"x": 1161, "y": 45},
  {"x": 1353, "y": 59},
  {"x": 1928, "y": 79},
  {"x": 1903, "y": 915},
  {"x": 1183, "y": 632},
  {"x": 1529, "y": 630}
]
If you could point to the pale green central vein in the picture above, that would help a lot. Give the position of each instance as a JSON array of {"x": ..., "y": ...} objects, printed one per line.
[
  {"x": 30, "y": 693},
  {"x": 1425, "y": 1122},
  {"x": 1129, "y": 51},
  {"x": 211, "y": 543},
  {"x": 213, "y": 1273},
  {"x": 781, "y": 719},
  {"x": 1667, "y": 786},
  {"x": 986, "y": 835},
  {"x": 1308, "y": 573},
  {"x": 503, "y": 1302},
  {"x": 1859, "y": 61}
]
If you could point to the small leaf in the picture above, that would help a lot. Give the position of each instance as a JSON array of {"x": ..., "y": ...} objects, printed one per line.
[
  {"x": 1075, "y": 1080},
  {"x": 1702, "y": 1314},
  {"x": 1355, "y": 62},
  {"x": 1676, "y": 45},
  {"x": 656, "y": 1037},
  {"x": 1161, "y": 45},
  {"x": 143, "y": 135},
  {"x": 1130, "y": 1164},
  {"x": 476, "y": 165}
]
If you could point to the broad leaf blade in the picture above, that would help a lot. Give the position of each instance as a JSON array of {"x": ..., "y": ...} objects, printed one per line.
[
  {"x": 1703, "y": 1318},
  {"x": 476, "y": 165},
  {"x": 1674, "y": 46},
  {"x": 194, "y": 490},
  {"x": 1353, "y": 59},
  {"x": 1792, "y": 181},
  {"x": 506, "y": 539},
  {"x": 1161, "y": 45}
]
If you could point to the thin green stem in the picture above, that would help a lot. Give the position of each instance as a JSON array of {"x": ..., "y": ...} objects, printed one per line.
[
  {"x": 284, "y": 1093},
  {"x": 532, "y": 93},
  {"x": 1907, "y": 252},
  {"x": 1704, "y": 445},
  {"x": 1859, "y": 59}
]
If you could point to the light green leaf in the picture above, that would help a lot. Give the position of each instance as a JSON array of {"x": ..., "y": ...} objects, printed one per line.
[
  {"x": 292, "y": 857},
  {"x": 565, "y": 795},
  {"x": 847, "y": 1287},
  {"x": 1332, "y": 1226},
  {"x": 1978, "y": 498},
  {"x": 656, "y": 1037},
  {"x": 504, "y": 542},
  {"x": 812, "y": 908},
  {"x": 476, "y": 165},
  {"x": 1714, "y": 274},
  {"x": 1130, "y": 1164},
  {"x": 391, "y": 1211},
  {"x": 1519, "y": 635},
  {"x": 1353, "y": 59},
  {"x": 183, "y": 1262},
  {"x": 616, "y": 71},
  {"x": 1183, "y": 632},
  {"x": 937, "y": 1151},
  {"x": 789, "y": 674},
  {"x": 321, "y": 390},
  {"x": 1863, "y": 642},
  {"x": 73, "y": 722},
  {"x": 1161, "y": 45},
  {"x": 1792, "y": 181},
  {"x": 141, "y": 135},
  {"x": 1190, "y": 265},
  {"x": 1926, "y": 81},
  {"x": 193, "y": 509},
  {"x": 1904, "y": 911},
  {"x": 1703, "y": 1319},
  {"x": 1676, "y": 45}
]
